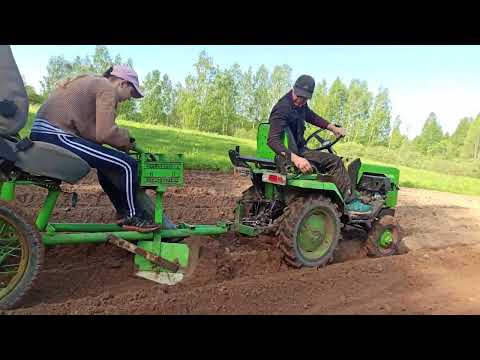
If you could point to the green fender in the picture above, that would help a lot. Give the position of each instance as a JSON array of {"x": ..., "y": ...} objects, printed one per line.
[{"x": 316, "y": 185}]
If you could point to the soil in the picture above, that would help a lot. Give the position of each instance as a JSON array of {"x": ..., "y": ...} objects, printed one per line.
[{"x": 440, "y": 273}]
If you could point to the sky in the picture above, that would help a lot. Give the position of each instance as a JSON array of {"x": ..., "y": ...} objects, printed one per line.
[{"x": 421, "y": 79}]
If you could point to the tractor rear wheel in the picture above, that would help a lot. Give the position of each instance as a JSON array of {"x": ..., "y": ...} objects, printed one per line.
[
  {"x": 384, "y": 238},
  {"x": 21, "y": 256},
  {"x": 309, "y": 231}
]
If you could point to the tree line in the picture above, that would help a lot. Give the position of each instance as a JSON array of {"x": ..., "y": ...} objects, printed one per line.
[{"x": 230, "y": 101}]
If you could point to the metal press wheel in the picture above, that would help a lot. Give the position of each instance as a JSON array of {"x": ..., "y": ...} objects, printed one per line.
[{"x": 21, "y": 256}]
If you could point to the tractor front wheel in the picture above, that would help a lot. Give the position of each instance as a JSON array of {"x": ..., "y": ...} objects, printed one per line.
[
  {"x": 309, "y": 231},
  {"x": 384, "y": 237},
  {"x": 21, "y": 256}
]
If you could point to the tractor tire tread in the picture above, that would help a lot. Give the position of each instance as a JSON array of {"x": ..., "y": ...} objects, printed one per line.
[
  {"x": 289, "y": 221},
  {"x": 385, "y": 222}
]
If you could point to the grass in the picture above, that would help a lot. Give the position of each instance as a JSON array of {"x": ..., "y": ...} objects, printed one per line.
[
  {"x": 425, "y": 179},
  {"x": 407, "y": 156},
  {"x": 201, "y": 150},
  {"x": 206, "y": 151}
]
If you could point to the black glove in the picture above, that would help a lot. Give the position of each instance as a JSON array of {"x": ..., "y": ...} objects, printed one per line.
[{"x": 8, "y": 108}]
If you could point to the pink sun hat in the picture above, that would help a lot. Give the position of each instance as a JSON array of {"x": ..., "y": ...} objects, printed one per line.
[{"x": 126, "y": 73}]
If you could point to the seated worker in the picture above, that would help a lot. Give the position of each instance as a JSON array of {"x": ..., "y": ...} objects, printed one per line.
[
  {"x": 292, "y": 111},
  {"x": 80, "y": 116}
]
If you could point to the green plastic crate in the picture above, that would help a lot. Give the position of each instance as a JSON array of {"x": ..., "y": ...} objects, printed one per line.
[{"x": 161, "y": 169}]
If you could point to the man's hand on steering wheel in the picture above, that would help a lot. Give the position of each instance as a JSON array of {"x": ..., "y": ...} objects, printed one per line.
[{"x": 337, "y": 130}]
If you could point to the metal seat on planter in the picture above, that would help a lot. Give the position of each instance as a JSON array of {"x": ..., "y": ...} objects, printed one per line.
[{"x": 51, "y": 161}]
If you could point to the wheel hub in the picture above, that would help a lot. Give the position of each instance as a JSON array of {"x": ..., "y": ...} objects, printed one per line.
[
  {"x": 386, "y": 239},
  {"x": 313, "y": 236}
]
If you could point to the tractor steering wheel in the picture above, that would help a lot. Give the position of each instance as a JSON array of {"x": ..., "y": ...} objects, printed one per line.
[{"x": 326, "y": 145}]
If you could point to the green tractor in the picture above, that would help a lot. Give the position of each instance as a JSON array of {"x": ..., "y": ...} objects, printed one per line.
[{"x": 306, "y": 211}]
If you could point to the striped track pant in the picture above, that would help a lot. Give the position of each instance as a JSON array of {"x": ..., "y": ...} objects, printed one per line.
[{"x": 107, "y": 161}]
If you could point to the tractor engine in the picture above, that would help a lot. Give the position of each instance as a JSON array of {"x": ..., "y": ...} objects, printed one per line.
[{"x": 374, "y": 187}]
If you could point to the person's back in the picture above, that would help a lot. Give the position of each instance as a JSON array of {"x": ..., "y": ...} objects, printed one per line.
[
  {"x": 74, "y": 108},
  {"x": 80, "y": 117}
]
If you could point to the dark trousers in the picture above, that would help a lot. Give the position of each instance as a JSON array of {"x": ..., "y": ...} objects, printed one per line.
[
  {"x": 111, "y": 183},
  {"x": 117, "y": 171},
  {"x": 332, "y": 165},
  {"x": 106, "y": 179}
]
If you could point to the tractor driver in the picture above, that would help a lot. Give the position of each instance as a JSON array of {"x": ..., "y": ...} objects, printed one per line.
[{"x": 292, "y": 111}]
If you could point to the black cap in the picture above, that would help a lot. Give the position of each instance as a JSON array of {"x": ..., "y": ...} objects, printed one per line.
[{"x": 304, "y": 86}]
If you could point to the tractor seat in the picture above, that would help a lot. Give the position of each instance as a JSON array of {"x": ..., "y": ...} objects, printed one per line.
[
  {"x": 241, "y": 161},
  {"x": 51, "y": 161}
]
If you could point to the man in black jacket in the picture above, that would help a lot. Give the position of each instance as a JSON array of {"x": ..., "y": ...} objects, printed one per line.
[{"x": 292, "y": 111}]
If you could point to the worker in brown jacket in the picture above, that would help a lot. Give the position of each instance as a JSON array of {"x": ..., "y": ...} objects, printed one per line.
[{"x": 80, "y": 117}]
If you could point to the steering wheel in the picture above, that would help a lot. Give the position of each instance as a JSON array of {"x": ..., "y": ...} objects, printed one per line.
[{"x": 326, "y": 145}]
